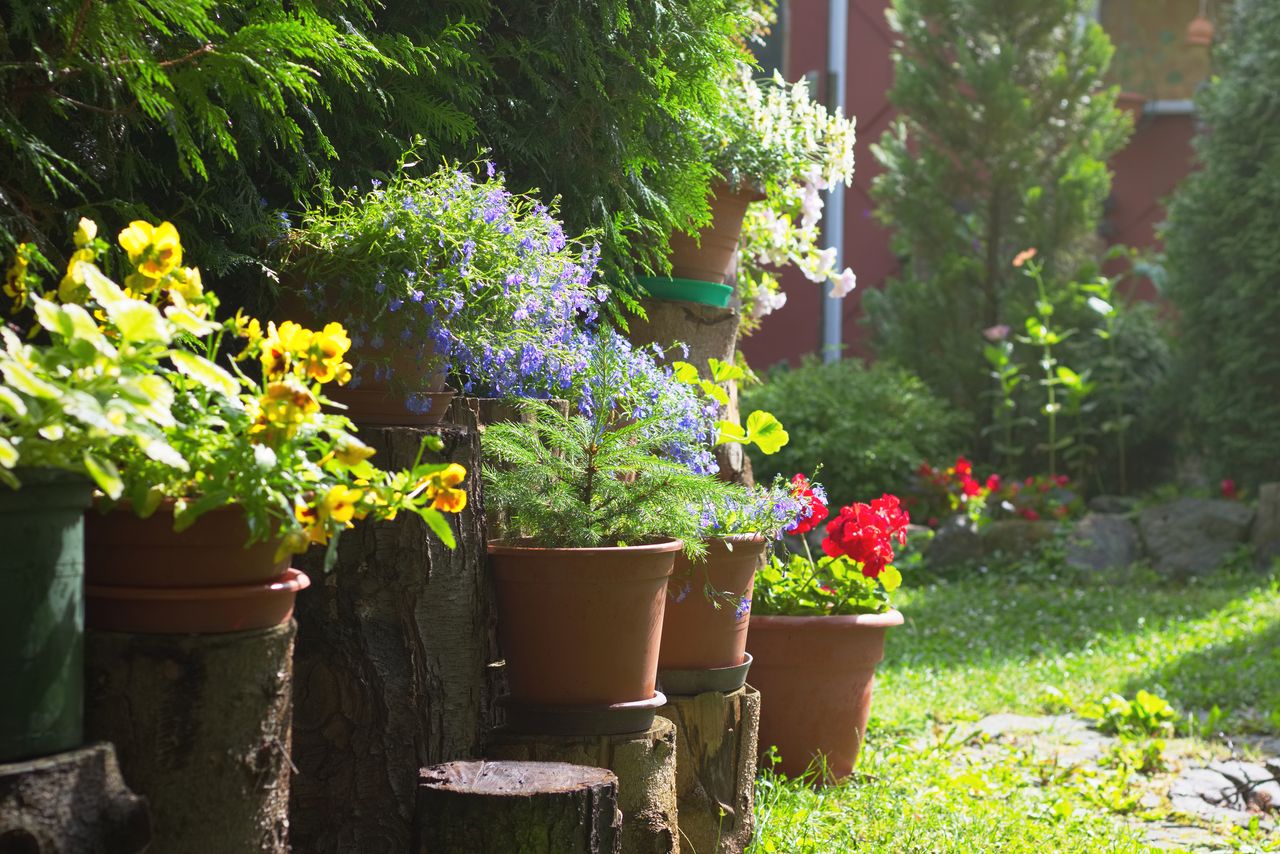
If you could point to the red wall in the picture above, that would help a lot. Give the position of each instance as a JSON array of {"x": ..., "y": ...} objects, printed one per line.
[{"x": 1146, "y": 171}]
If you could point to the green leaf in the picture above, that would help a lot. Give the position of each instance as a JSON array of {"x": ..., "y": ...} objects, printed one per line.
[
  {"x": 436, "y": 522},
  {"x": 104, "y": 474},
  {"x": 890, "y": 579},
  {"x": 684, "y": 372},
  {"x": 208, "y": 374},
  {"x": 11, "y": 403},
  {"x": 138, "y": 321},
  {"x": 766, "y": 432},
  {"x": 723, "y": 372},
  {"x": 24, "y": 380},
  {"x": 715, "y": 392},
  {"x": 730, "y": 432}
]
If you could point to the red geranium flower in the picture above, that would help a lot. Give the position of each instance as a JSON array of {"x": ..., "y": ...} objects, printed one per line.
[
  {"x": 814, "y": 509},
  {"x": 963, "y": 467},
  {"x": 1229, "y": 490},
  {"x": 865, "y": 533},
  {"x": 993, "y": 483}
]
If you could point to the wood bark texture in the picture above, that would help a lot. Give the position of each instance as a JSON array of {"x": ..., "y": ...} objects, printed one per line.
[
  {"x": 71, "y": 803},
  {"x": 645, "y": 763},
  {"x": 201, "y": 724},
  {"x": 393, "y": 647},
  {"x": 710, "y": 333},
  {"x": 716, "y": 745},
  {"x": 525, "y": 807}
]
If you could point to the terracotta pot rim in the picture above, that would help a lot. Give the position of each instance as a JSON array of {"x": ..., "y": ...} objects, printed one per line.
[
  {"x": 291, "y": 582},
  {"x": 513, "y": 548},
  {"x": 889, "y": 619},
  {"x": 721, "y": 188}
]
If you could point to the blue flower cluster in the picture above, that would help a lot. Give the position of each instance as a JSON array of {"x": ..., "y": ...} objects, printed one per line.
[{"x": 768, "y": 510}]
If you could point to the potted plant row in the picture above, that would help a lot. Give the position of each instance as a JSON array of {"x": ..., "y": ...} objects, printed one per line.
[
  {"x": 819, "y": 632},
  {"x": 121, "y": 387}
]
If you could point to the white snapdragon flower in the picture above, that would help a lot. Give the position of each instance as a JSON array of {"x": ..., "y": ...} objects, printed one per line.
[{"x": 843, "y": 285}]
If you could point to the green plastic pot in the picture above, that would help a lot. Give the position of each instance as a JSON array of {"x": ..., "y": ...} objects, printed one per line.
[
  {"x": 706, "y": 293},
  {"x": 42, "y": 614}
]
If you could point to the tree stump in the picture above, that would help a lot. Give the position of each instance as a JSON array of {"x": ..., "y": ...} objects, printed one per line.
[
  {"x": 71, "y": 803},
  {"x": 710, "y": 333},
  {"x": 716, "y": 745},
  {"x": 526, "y": 807},
  {"x": 645, "y": 763},
  {"x": 201, "y": 723},
  {"x": 393, "y": 644}
]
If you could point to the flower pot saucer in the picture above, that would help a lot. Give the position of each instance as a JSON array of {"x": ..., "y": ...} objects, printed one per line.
[
  {"x": 193, "y": 610},
  {"x": 616, "y": 719},
  {"x": 725, "y": 680}
]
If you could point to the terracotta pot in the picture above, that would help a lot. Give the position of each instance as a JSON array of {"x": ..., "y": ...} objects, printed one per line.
[
  {"x": 193, "y": 610},
  {"x": 696, "y": 635},
  {"x": 373, "y": 403},
  {"x": 1200, "y": 32},
  {"x": 815, "y": 677},
  {"x": 122, "y": 550},
  {"x": 581, "y": 627},
  {"x": 1132, "y": 102},
  {"x": 711, "y": 257}
]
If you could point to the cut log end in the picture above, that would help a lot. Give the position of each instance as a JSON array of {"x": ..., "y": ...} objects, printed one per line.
[{"x": 531, "y": 807}]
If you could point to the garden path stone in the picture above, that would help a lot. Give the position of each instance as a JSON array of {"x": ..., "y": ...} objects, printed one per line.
[
  {"x": 1069, "y": 739},
  {"x": 1102, "y": 541},
  {"x": 1192, "y": 536},
  {"x": 1266, "y": 525}
]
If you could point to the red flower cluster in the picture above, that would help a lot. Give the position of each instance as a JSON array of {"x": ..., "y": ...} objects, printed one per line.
[
  {"x": 865, "y": 533},
  {"x": 1229, "y": 489},
  {"x": 815, "y": 509}
]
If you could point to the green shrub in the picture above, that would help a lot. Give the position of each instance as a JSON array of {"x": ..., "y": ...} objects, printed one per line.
[
  {"x": 869, "y": 427},
  {"x": 1223, "y": 246}
]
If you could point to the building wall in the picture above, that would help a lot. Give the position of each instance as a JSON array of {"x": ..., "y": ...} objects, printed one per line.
[{"x": 1146, "y": 171}]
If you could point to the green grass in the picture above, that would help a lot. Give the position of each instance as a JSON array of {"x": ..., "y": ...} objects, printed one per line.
[{"x": 1031, "y": 642}]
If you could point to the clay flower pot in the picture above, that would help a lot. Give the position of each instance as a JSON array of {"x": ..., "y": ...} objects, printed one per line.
[
  {"x": 581, "y": 627},
  {"x": 711, "y": 257},
  {"x": 815, "y": 676},
  {"x": 696, "y": 635},
  {"x": 144, "y": 577}
]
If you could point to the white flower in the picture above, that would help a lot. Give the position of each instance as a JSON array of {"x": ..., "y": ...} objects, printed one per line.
[
  {"x": 818, "y": 267},
  {"x": 264, "y": 457},
  {"x": 811, "y": 206},
  {"x": 844, "y": 284},
  {"x": 767, "y": 302}
]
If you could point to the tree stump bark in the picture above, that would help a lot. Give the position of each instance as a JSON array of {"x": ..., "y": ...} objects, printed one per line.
[
  {"x": 645, "y": 763},
  {"x": 71, "y": 803},
  {"x": 710, "y": 333},
  {"x": 526, "y": 807},
  {"x": 201, "y": 724},
  {"x": 716, "y": 746},
  {"x": 393, "y": 644}
]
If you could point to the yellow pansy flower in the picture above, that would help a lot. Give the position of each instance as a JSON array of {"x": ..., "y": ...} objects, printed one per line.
[
  {"x": 351, "y": 451},
  {"x": 72, "y": 287},
  {"x": 450, "y": 500},
  {"x": 15, "y": 280},
  {"x": 339, "y": 504},
  {"x": 281, "y": 346},
  {"x": 86, "y": 232},
  {"x": 324, "y": 356},
  {"x": 186, "y": 281},
  {"x": 154, "y": 250}
]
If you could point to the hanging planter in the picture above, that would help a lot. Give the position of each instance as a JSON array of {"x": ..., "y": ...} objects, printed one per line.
[
  {"x": 42, "y": 613},
  {"x": 712, "y": 255},
  {"x": 144, "y": 577},
  {"x": 815, "y": 676},
  {"x": 704, "y": 636}
]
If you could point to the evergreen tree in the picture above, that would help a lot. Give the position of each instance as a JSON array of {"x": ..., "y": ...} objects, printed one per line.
[
  {"x": 1000, "y": 144},
  {"x": 212, "y": 114},
  {"x": 1223, "y": 265}
]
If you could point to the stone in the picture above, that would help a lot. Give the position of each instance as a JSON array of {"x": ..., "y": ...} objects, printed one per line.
[
  {"x": 1266, "y": 525},
  {"x": 1118, "y": 504},
  {"x": 1234, "y": 791},
  {"x": 956, "y": 542},
  {"x": 1065, "y": 739},
  {"x": 1016, "y": 537},
  {"x": 1102, "y": 541},
  {"x": 1191, "y": 536}
]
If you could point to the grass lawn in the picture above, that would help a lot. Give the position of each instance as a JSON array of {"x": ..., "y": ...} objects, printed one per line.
[{"x": 1033, "y": 642}]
